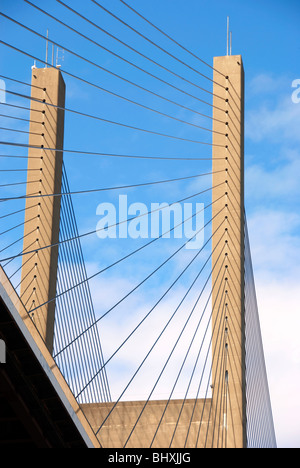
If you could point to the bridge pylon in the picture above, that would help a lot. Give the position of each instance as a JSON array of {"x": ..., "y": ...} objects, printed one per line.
[
  {"x": 228, "y": 370},
  {"x": 42, "y": 218}
]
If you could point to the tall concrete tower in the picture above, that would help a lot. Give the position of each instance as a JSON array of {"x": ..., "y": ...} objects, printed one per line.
[
  {"x": 228, "y": 378},
  {"x": 39, "y": 271}
]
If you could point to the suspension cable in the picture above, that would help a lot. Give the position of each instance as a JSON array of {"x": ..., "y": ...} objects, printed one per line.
[
  {"x": 101, "y": 118},
  {"x": 153, "y": 43},
  {"x": 169, "y": 37},
  {"x": 108, "y": 227},
  {"x": 180, "y": 334},
  {"x": 143, "y": 281},
  {"x": 105, "y": 189},
  {"x": 93, "y": 153},
  {"x": 167, "y": 324},
  {"x": 19, "y": 118},
  {"x": 116, "y": 75}
]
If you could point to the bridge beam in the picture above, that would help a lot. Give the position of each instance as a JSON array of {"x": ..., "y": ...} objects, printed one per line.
[
  {"x": 42, "y": 219},
  {"x": 228, "y": 370}
]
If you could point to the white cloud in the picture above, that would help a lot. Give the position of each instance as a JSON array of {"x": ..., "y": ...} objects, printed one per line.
[
  {"x": 272, "y": 188},
  {"x": 121, "y": 321},
  {"x": 265, "y": 84},
  {"x": 278, "y": 302},
  {"x": 275, "y": 248},
  {"x": 279, "y": 183},
  {"x": 275, "y": 243},
  {"x": 274, "y": 122}
]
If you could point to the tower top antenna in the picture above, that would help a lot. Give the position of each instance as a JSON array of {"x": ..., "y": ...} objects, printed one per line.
[
  {"x": 229, "y": 39},
  {"x": 227, "y": 52}
]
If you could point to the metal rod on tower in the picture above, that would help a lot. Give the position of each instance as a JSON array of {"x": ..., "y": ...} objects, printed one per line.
[{"x": 47, "y": 48}]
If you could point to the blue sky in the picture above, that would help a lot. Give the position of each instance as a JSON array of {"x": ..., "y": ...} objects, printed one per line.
[{"x": 266, "y": 33}]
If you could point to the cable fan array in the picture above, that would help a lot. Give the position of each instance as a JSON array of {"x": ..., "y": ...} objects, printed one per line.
[{"x": 133, "y": 302}]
